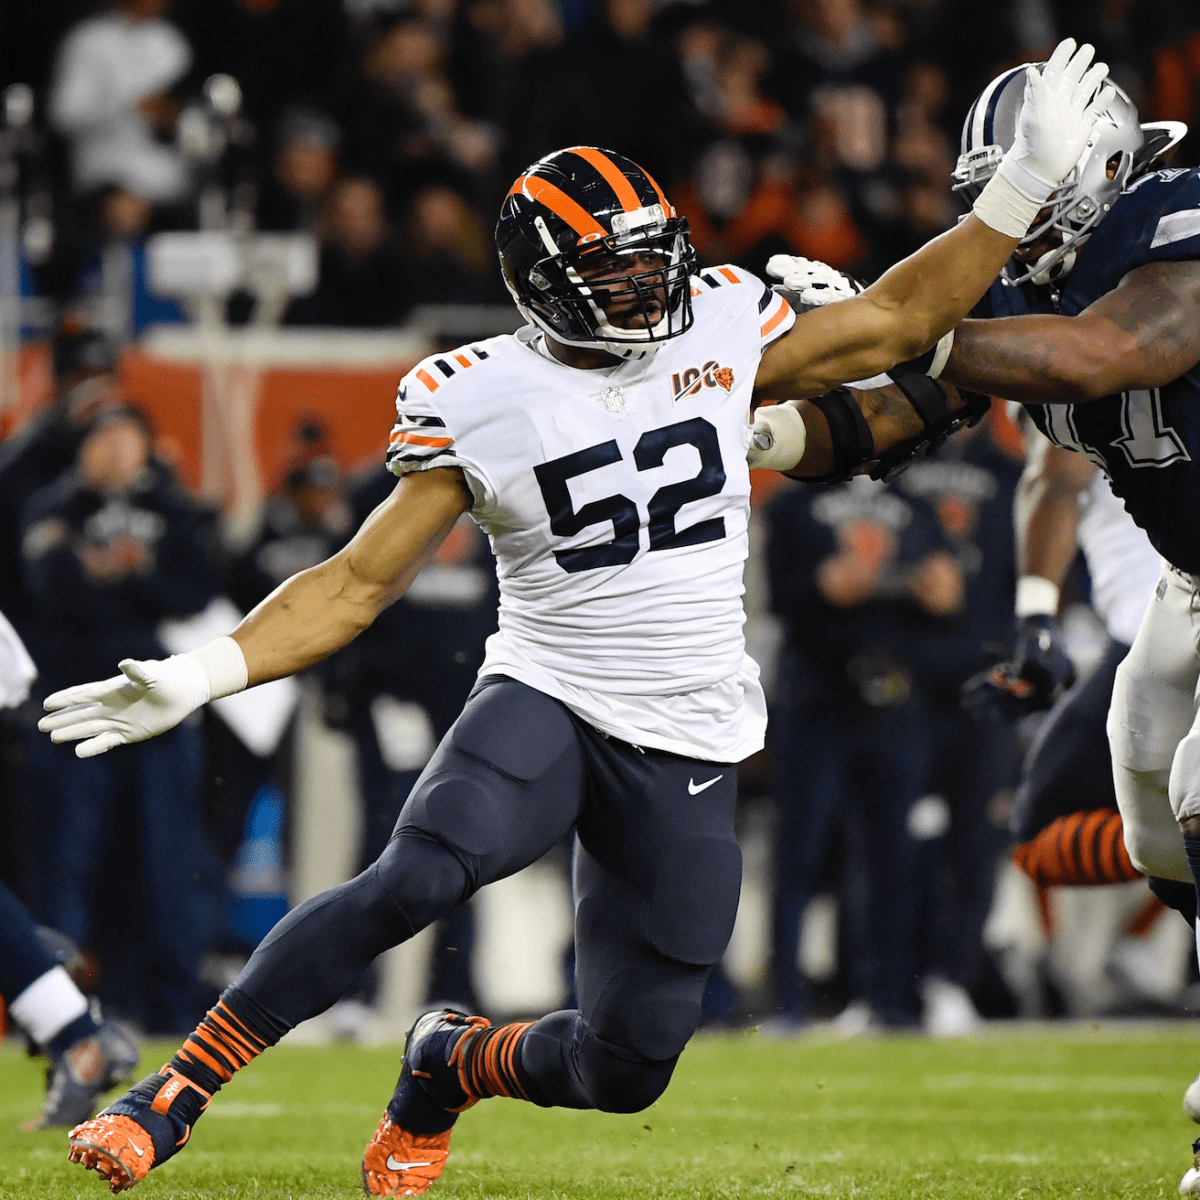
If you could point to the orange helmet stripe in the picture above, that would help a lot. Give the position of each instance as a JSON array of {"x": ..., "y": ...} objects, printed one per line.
[
  {"x": 628, "y": 198},
  {"x": 559, "y": 203}
]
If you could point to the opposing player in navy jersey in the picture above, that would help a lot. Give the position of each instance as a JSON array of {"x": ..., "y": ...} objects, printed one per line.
[
  {"x": 1099, "y": 333},
  {"x": 603, "y": 448}
]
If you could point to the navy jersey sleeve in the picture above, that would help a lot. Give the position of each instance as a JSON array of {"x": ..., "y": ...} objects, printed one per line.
[{"x": 1157, "y": 219}]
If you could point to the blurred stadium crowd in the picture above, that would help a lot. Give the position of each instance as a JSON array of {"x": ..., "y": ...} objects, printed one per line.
[{"x": 389, "y": 130}]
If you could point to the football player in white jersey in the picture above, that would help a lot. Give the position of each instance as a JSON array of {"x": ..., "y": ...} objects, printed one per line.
[{"x": 604, "y": 451}]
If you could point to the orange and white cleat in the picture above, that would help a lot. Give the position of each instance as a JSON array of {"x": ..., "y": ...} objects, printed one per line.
[
  {"x": 399, "y": 1163},
  {"x": 115, "y": 1147}
]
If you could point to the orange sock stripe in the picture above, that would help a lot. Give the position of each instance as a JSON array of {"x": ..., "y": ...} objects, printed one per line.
[
  {"x": 1123, "y": 867},
  {"x": 1087, "y": 843},
  {"x": 190, "y": 1050},
  {"x": 237, "y": 1044},
  {"x": 223, "y": 1014},
  {"x": 216, "y": 1045},
  {"x": 1079, "y": 849},
  {"x": 227, "y": 1033},
  {"x": 511, "y": 1063},
  {"x": 1061, "y": 864}
]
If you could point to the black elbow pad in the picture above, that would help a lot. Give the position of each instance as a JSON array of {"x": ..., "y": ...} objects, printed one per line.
[
  {"x": 928, "y": 398},
  {"x": 854, "y": 444}
]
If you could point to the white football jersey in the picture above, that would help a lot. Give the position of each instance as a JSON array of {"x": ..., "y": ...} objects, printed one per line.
[
  {"x": 617, "y": 503},
  {"x": 1124, "y": 567}
]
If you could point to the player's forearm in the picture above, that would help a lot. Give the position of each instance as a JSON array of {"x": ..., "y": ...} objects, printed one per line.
[
  {"x": 889, "y": 415},
  {"x": 318, "y": 611},
  {"x": 305, "y": 620},
  {"x": 1040, "y": 359},
  {"x": 894, "y": 320},
  {"x": 930, "y": 292},
  {"x": 1046, "y": 541}
]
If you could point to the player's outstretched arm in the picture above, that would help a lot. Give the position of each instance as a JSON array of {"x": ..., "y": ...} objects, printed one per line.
[
  {"x": 304, "y": 620},
  {"x": 920, "y": 299},
  {"x": 1143, "y": 334}
]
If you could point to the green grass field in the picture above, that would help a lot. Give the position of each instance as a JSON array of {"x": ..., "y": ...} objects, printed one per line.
[{"x": 1082, "y": 1111}]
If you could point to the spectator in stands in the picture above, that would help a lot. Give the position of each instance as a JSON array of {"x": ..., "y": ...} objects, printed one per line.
[
  {"x": 857, "y": 572},
  {"x": 363, "y": 274},
  {"x": 449, "y": 259},
  {"x": 961, "y": 821},
  {"x": 86, "y": 383},
  {"x": 109, "y": 550},
  {"x": 305, "y": 521},
  {"x": 495, "y": 43},
  {"x": 283, "y": 53},
  {"x": 615, "y": 83},
  {"x": 400, "y": 115},
  {"x": 303, "y": 172},
  {"x": 111, "y": 281},
  {"x": 111, "y": 98}
]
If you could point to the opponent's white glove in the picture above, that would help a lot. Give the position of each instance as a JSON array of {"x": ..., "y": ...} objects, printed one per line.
[
  {"x": 1062, "y": 102},
  {"x": 149, "y": 698},
  {"x": 813, "y": 282}
]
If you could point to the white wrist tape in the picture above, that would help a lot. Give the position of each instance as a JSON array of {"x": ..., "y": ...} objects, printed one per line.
[
  {"x": 223, "y": 665},
  {"x": 1005, "y": 208},
  {"x": 49, "y": 1004},
  {"x": 1036, "y": 597},
  {"x": 941, "y": 355},
  {"x": 778, "y": 437}
]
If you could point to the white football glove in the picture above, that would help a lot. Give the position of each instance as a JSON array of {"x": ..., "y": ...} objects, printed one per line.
[
  {"x": 777, "y": 438},
  {"x": 1062, "y": 103},
  {"x": 813, "y": 282},
  {"x": 149, "y": 698}
]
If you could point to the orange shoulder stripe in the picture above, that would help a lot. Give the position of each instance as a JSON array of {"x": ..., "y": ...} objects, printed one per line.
[
  {"x": 427, "y": 379},
  {"x": 728, "y": 274},
  {"x": 416, "y": 439},
  {"x": 780, "y": 313}
]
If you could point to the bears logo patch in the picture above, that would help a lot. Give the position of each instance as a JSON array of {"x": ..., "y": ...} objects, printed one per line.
[{"x": 711, "y": 375}]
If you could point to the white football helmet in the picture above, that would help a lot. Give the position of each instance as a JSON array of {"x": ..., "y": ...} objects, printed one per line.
[{"x": 1118, "y": 151}]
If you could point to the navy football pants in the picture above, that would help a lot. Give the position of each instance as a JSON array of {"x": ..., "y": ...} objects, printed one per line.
[{"x": 657, "y": 878}]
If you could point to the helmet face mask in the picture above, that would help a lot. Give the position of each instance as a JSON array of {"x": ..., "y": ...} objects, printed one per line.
[
  {"x": 1114, "y": 155},
  {"x": 594, "y": 255}
]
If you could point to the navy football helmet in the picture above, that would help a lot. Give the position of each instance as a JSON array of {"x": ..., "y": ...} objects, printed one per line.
[
  {"x": 585, "y": 203},
  {"x": 1119, "y": 150}
]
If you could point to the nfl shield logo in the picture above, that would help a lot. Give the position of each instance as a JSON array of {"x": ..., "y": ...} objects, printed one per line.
[{"x": 614, "y": 399}]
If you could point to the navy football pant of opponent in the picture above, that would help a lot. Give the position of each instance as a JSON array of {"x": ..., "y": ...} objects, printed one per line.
[{"x": 657, "y": 878}]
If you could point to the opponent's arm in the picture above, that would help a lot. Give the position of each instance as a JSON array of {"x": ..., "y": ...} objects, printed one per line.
[
  {"x": 1142, "y": 334},
  {"x": 1038, "y": 669},
  {"x": 923, "y": 297},
  {"x": 304, "y": 620},
  {"x": 1047, "y": 514}
]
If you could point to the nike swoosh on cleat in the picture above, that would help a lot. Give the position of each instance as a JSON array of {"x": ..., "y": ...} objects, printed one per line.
[
  {"x": 139, "y": 1153},
  {"x": 393, "y": 1165},
  {"x": 695, "y": 789}
]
